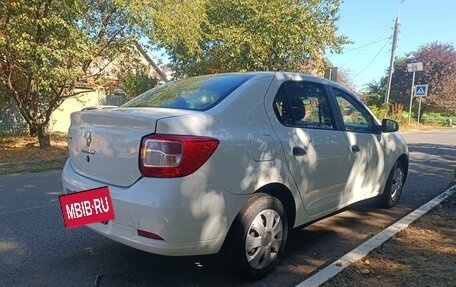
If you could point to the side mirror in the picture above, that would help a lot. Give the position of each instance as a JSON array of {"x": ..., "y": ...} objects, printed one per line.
[{"x": 389, "y": 126}]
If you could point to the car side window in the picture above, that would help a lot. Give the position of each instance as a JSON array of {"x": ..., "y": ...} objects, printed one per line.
[
  {"x": 355, "y": 117},
  {"x": 303, "y": 105}
]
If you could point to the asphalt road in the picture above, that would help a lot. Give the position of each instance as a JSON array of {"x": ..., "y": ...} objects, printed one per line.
[{"x": 37, "y": 250}]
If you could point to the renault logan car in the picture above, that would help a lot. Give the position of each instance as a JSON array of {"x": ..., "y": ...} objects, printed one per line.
[{"x": 233, "y": 160}]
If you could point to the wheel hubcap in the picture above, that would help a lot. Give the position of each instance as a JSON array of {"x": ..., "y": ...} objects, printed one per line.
[
  {"x": 264, "y": 239},
  {"x": 267, "y": 239},
  {"x": 396, "y": 183}
]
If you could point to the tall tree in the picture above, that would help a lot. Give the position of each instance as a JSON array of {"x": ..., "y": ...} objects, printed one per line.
[
  {"x": 439, "y": 72},
  {"x": 210, "y": 36},
  {"x": 374, "y": 93},
  {"x": 48, "y": 47}
]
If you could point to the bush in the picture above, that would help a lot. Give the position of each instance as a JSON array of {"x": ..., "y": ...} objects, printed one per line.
[
  {"x": 393, "y": 111},
  {"x": 402, "y": 118},
  {"x": 436, "y": 119},
  {"x": 379, "y": 112}
]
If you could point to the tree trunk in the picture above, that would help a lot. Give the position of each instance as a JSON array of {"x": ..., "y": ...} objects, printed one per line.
[
  {"x": 43, "y": 136},
  {"x": 33, "y": 130}
]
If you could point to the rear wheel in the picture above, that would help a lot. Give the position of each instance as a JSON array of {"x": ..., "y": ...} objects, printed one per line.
[
  {"x": 393, "y": 188},
  {"x": 258, "y": 236}
]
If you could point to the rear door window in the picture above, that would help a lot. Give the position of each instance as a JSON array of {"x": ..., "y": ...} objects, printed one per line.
[{"x": 303, "y": 105}]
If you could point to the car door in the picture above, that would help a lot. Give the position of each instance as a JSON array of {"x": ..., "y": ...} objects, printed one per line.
[
  {"x": 315, "y": 151},
  {"x": 366, "y": 163}
]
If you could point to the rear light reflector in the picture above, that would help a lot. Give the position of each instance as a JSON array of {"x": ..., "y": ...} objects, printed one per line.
[
  {"x": 165, "y": 155},
  {"x": 149, "y": 235}
]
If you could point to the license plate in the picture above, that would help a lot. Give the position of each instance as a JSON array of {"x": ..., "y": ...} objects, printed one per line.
[{"x": 86, "y": 207}]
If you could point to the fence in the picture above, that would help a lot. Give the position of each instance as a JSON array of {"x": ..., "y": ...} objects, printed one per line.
[{"x": 11, "y": 120}]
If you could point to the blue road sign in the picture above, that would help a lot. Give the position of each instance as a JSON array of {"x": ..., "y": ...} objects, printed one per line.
[{"x": 421, "y": 90}]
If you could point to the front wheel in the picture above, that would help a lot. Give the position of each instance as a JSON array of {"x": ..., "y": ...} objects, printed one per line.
[
  {"x": 258, "y": 236},
  {"x": 393, "y": 188}
]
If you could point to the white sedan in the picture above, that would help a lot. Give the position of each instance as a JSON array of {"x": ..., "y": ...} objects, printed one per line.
[{"x": 233, "y": 160}]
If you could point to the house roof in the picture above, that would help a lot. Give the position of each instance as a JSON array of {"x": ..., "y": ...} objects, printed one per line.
[{"x": 149, "y": 59}]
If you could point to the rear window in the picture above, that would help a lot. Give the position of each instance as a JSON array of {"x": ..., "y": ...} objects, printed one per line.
[{"x": 195, "y": 93}]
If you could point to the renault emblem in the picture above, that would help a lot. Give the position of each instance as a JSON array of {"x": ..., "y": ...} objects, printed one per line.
[{"x": 88, "y": 138}]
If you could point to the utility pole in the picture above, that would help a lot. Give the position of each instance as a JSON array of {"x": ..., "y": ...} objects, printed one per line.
[{"x": 393, "y": 49}]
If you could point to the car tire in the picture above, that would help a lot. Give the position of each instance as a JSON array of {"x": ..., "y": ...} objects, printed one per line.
[
  {"x": 258, "y": 236},
  {"x": 393, "y": 187}
]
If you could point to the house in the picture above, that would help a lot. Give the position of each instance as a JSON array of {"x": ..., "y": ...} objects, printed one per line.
[
  {"x": 60, "y": 118},
  {"x": 97, "y": 95},
  {"x": 168, "y": 70}
]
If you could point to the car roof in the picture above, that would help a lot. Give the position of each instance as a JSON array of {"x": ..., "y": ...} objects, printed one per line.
[
  {"x": 308, "y": 77},
  {"x": 281, "y": 75}
]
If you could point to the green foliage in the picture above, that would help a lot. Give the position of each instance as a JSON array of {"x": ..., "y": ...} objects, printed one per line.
[
  {"x": 401, "y": 118},
  {"x": 212, "y": 36},
  {"x": 49, "y": 47},
  {"x": 40, "y": 50},
  {"x": 4, "y": 95},
  {"x": 380, "y": 112},
  {"x": 375, "y": 93},
  {"x": 374, "y": 99},
  {"x": 437, "y": 118},
  {"x": 136, "y": 83}
]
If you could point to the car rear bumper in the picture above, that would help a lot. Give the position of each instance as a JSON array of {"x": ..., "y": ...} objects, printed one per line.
[
  {"x": 129, "y": 236},
  {"x": 191, "y": 215}
]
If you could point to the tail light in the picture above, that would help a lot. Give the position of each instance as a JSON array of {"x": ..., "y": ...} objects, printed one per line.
[{"x": 174, "y": 155}]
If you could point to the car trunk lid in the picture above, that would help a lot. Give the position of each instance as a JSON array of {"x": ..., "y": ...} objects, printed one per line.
[{"x": 104, "y": 145}]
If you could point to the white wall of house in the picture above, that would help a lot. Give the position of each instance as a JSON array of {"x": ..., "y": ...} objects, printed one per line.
[{"x": 60, "y": 118}]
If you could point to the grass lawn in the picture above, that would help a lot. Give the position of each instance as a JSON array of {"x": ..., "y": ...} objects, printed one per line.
[{"x": 22, "y": 153}]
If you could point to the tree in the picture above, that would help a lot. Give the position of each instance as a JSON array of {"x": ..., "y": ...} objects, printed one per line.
[
  {"x": 373, "y": 96},
  {"x": 136, "y": 83},
  {"x": 212, "y": 36},
  {"x": 344, "y": 78},
  {"x": 48, "y": 47},
  {"x": 439, "y": 72}
]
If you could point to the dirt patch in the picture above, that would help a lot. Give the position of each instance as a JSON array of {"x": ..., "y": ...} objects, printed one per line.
[
  {"x": 424, "y": 254},
  {"x": 23, "y": 153}
]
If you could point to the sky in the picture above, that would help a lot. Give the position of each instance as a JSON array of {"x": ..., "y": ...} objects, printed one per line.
[{"x": 369, "y": 24}]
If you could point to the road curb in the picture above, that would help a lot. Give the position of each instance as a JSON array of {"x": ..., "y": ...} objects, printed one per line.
[{"x": 361, "y": 251}]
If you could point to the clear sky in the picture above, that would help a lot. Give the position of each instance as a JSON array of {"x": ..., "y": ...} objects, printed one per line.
[{"x": 369, "y": 25}]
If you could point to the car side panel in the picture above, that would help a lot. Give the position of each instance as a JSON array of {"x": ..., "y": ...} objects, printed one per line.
[
  {"x": 249, "y": 155},
  {"x": 371, "y": 157}
]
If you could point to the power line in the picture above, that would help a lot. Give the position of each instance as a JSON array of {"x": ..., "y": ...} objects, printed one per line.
[
  {"x": 372, "y": 59},
  {"x": 363, "y": 46},
  {"x": 387, "y": 38}
]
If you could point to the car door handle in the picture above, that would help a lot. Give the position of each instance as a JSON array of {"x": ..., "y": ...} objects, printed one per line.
[
  {"x": 298, "y": 151},
  {"x": 355, "y": 148}
]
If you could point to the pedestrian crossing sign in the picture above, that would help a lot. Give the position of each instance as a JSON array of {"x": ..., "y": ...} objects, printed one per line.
[{"x": 421, "y": 90}]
